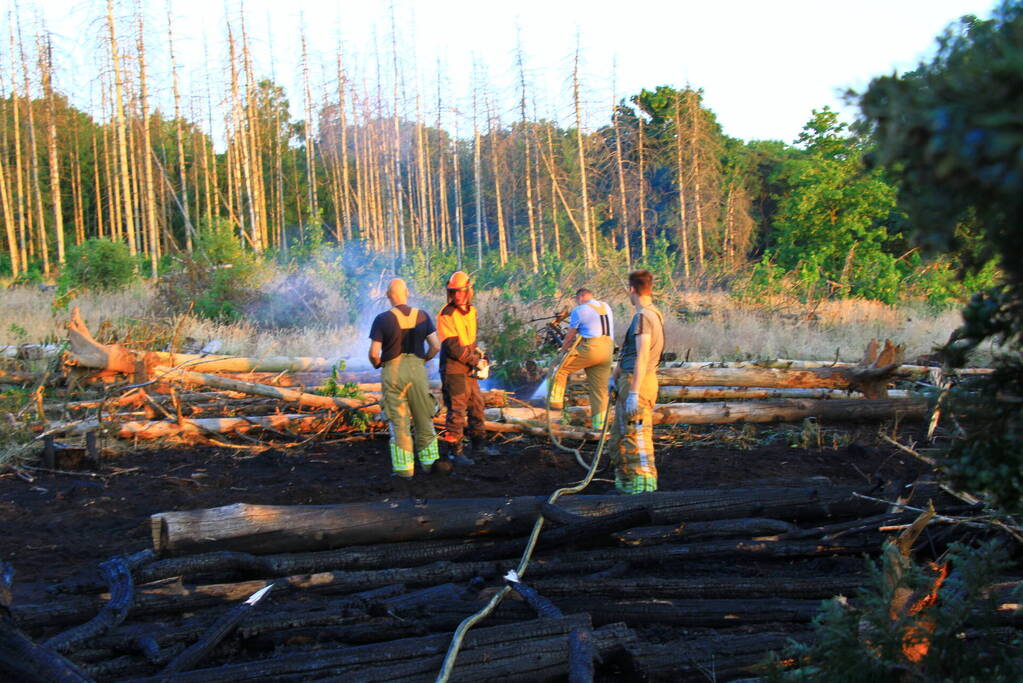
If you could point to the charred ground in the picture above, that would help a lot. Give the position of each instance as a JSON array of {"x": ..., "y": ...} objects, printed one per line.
[{"x": 61, "y": 523}]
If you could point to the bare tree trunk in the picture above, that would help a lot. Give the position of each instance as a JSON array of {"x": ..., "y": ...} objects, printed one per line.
[
  {"x": 682, "y": 222},
  {"x": 310, "y": 151},
  {"x": 46, "y": 75},
  {"x": 346, "y": 212},
  {"x": 694, "y": 145},
  {"x": 589, "y": 243},
  {"x": 459, "y": 217},
  {"x": 10, "y": 225},
  {"x": 77, "y": 192},
  {"x": 642, "y": 191},
  {"x": 19, "y": 173},
  {"x": 189, "y": 228},
  {"x": 147, "y": 157},
  {"x": 527, "y": 162},
  {"x": 502, "y": 238},
  {"x": 122, "y": 137},
  {"x": 33, "y": 162},
  {"x": 620, "y": 163},
  {"x": 478, "y": 181}
]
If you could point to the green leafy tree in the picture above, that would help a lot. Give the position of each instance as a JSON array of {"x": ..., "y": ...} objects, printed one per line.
[
  {"x": 831, "y": 222},
  {"x": 97, "y": 264},
  {"x": 951, "y": 132}
]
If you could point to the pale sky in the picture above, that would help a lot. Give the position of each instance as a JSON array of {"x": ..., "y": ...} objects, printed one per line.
[{"x": 763, "y": 65}]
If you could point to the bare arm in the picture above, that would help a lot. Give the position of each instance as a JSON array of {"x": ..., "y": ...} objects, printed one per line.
[
  {"x": 642, "y": 358},
  {"x": 374, "y": 354},
  {"x": 569, "y": 338},
  {"x": 433, "y": 342}
]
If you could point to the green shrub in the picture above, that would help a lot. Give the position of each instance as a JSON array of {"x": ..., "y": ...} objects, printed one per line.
[
  {"x": 97, "y": 264},
  {"x": 220, "y": 281},
  {"x": 859, "y": 640}
]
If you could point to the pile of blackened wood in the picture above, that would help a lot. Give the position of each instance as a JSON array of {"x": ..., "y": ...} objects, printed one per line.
[{"x": 665, "y": 586}]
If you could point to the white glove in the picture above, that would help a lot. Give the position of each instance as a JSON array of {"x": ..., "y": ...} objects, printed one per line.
[{"x": 632, "y": 405}]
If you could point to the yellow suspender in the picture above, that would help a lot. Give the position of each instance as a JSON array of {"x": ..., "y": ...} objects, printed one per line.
[{"x": 406, "y": 322}]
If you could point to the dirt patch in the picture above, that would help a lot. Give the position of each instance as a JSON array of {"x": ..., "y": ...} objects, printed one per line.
[{"x": 60, "y": 523}]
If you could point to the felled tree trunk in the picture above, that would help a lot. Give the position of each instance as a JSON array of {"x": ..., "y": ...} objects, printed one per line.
[
  {"x": 268, "y": 529},
  {"x": 253, "y": 389},
  {"x": 762, "y": 393},
  {"x": 787, "y": 410}
]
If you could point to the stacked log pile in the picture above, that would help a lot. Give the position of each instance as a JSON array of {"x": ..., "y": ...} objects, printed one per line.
[
  {"x": 662, "y": 586},
  {"x": 163, "y": 395}
]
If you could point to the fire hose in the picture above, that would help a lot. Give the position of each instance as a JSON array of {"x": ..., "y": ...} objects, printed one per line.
[{"x": 527, "y": 554}]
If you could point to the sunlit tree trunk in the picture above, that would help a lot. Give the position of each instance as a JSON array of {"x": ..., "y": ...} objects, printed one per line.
[
  {"x": 124, "y": 169},
  {"x": 694, "y": 146},
  {"x": 589, "y": 243},
  {"x": 502, "y": 237},
  {"x": 178, "y": 135},
  {"x": 527, "y": 161},
  {"x": 146, "y": 153},
  {"x": 24, "y": 236},
  {"x": 642, "y": 190},
  {"x": 680, "y": 178},
  {"x": 46, "y": 77},
  {"x": 342, "y": 104},
  {"x": 310, "y": 148},
  {"x": 10, "y": 224},
  {"x": 620, "y": 165},
  {"x": 33, "y": 164}
]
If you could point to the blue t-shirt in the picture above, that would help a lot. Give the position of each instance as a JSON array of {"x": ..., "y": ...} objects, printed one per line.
[{"x": 587, "y": 319}]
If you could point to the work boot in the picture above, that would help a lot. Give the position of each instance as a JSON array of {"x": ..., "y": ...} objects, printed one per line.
[
  {"x": 456, "y": 456},
  {"x": 480, "y": 446}
]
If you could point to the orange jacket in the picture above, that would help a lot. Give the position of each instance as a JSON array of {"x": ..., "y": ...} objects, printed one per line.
[{"x": 456, "y": 329}]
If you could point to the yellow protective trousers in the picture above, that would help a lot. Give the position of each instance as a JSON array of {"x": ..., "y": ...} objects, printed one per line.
[
  {"x": 407, "y": 402},
  {"x": 594, "y": 356},
  {"x": 632, "y": 439}
]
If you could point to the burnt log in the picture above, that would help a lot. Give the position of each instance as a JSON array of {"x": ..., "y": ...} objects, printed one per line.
[
  {"x": 717, "y": 586},
  {"x": 692, "y": 613},
  {"x": 21, "y": 659},
  {"x": 723, "y": 656},
  {"x": 688, "y": 531},
  {"x": 321, "y": 612},
  {"x": 220, "y": 629},
  {"x": 423, "y": 654},
  {"x": 122, "y": 593},
  {"x": 270, "y": 529}
]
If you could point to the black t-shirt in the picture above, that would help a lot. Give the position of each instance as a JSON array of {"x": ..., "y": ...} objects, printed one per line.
[{"x": 385, "y": 330}]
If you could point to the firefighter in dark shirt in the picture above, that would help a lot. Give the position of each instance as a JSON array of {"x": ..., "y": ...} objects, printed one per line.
[{"x": 398, "y": 337}]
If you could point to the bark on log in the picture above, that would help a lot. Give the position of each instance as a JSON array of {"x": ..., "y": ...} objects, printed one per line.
[
  {"x": 786, "y": 410},
  {"x": 808, "y": 378},
  {"x": 253, "y": 389},
  {"x": 268, "y": 529},
  {"x": 763, "y": 393},
  {"x": 19, "y": 377},
  {"x": 189, "y": 427}
]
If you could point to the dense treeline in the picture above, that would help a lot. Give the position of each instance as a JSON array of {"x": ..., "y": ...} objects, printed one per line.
[{"x": 658, "y": 183}]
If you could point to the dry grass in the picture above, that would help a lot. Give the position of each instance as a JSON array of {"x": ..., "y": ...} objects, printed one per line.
[{"x": 717, "y": 327}]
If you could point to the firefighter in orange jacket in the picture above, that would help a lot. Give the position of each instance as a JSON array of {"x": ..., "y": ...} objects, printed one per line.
[{"x": 460, "y": 360}]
